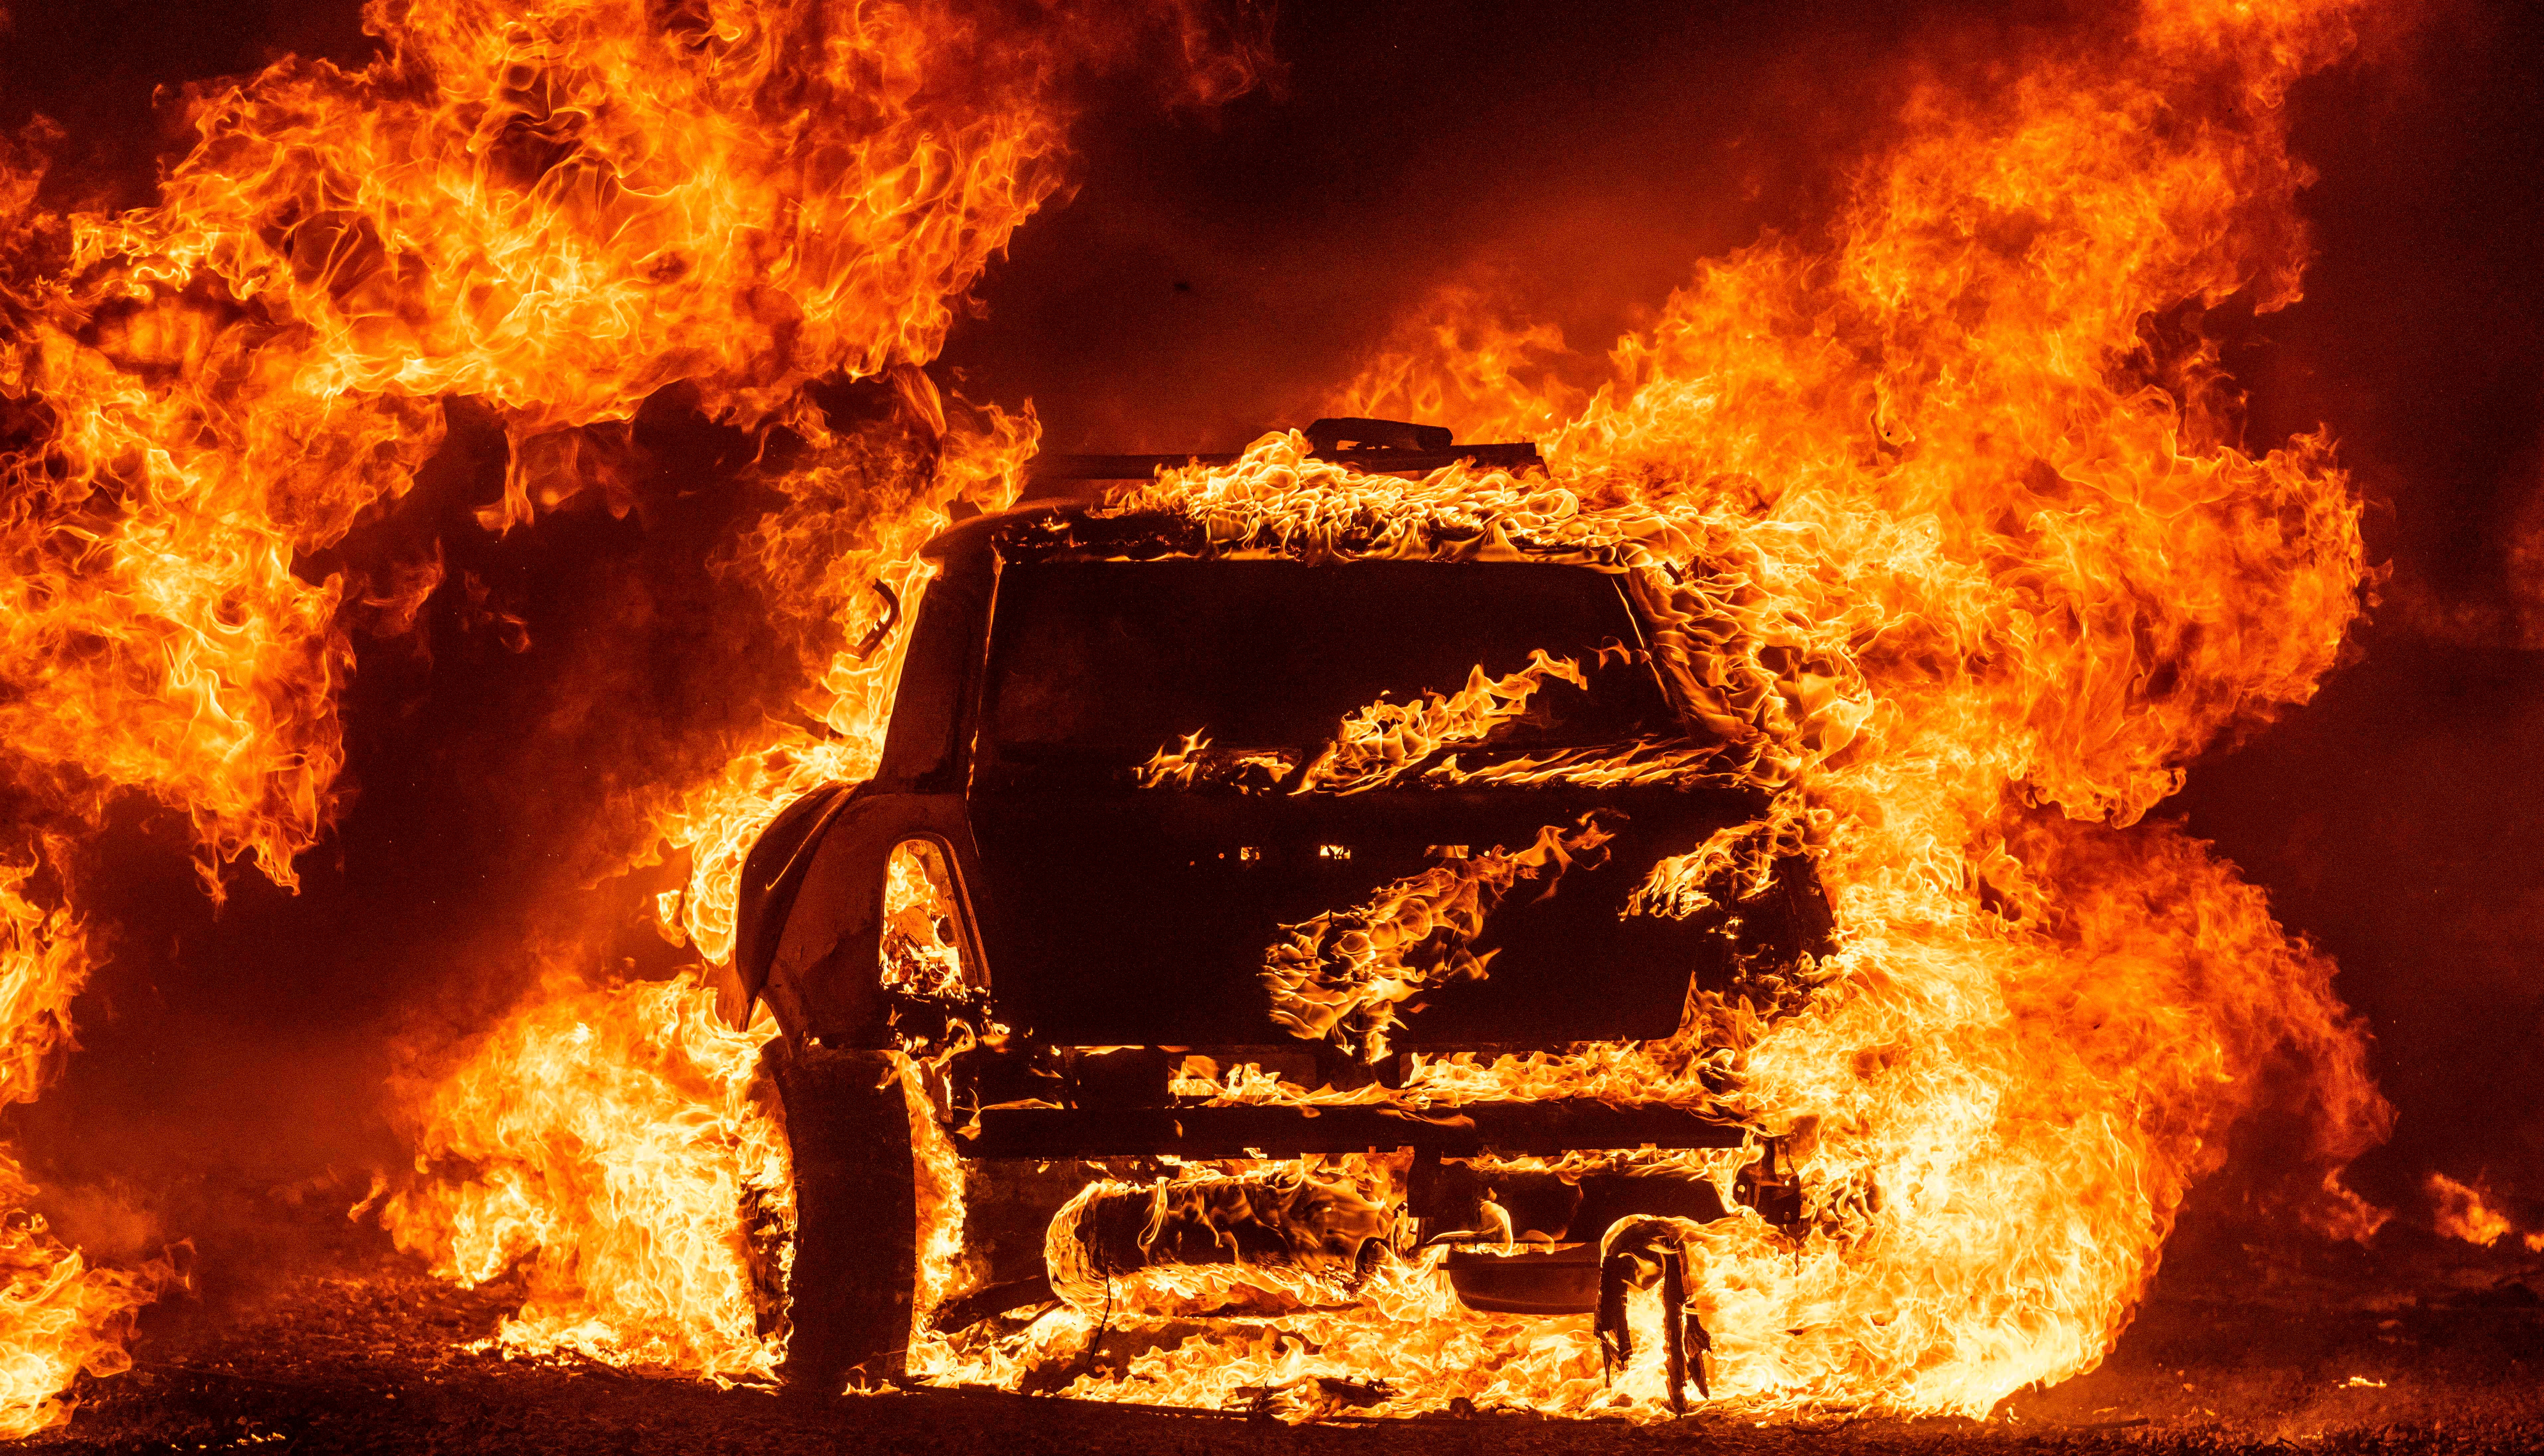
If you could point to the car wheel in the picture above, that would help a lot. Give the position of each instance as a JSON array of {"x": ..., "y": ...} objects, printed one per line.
[{"x": 855, "y": 1268}]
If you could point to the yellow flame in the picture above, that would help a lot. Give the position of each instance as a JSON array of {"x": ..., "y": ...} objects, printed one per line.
[
  {"x": 58, "y": 1315},
  {"x": 1345, "y": 975},
  {"x": 611, "y": 1142},
  {"x": 1967, "y": 585},
  {"x": 1962, "y": 585},
  {"x": 2465, "y": 1211},
  {"x": 558, "y": 208},
  {"x": 1960, "y": 563}
]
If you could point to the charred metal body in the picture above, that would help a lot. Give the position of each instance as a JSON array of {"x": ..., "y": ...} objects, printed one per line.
[
  {"x": 1380, "y": 447},
  {"x": 1639, "y": 1253},
  {"x": 1208, "y": 1132},
  {"x": 1277, "y": 1222},
  {"x": 1187, "y": 809},
  {"x": 1057, "y": 650}
]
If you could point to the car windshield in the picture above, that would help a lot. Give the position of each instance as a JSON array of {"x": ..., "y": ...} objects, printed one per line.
[{"x": 1112, "y": 661}]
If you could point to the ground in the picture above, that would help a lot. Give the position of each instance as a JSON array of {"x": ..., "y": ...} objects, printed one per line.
[{"x": 2411, "y": 1345}]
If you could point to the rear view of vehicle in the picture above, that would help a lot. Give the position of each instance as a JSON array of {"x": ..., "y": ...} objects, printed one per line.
[{"x": 1237, "y": 902}]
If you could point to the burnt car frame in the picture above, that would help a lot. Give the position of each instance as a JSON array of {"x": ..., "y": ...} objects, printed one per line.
[{"x": 1113, "y": 755}]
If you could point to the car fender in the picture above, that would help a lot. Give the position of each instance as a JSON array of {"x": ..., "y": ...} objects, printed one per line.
[
  {"x": 813, "y": 955},
  {"x": 773, "y": 873}
]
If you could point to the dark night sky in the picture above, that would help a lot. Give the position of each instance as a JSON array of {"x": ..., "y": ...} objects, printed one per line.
[{"x": 1213, "y": 274}]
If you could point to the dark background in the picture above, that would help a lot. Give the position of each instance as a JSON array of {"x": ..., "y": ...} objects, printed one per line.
[{"x": 1213, "y": 276}]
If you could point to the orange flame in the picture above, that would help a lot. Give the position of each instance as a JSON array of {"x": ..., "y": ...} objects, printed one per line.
[
  {"x": 1964, "y": 566},
  {"x": 1377, "y": 743},
  {"x": 2466, "y": 1211},
  {"x": 558, "y": 208},
  {"x": 1960, "y": 559},
  {"x": 1343, "y": 976},
  {"x": 58, "y": 1315},
  {"x": 612, "y": 1143},
  {"x": 1988, "y": 568},
  {"x": 1387, "y": 743},
  {"x": 919, "y": 954}
]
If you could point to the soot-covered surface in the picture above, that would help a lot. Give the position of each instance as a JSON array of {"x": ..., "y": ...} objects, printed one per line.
[{"x": 2410, "y": 1345}]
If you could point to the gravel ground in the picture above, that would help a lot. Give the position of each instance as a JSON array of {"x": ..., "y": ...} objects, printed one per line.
[{"x": 2411, "y": 1346}]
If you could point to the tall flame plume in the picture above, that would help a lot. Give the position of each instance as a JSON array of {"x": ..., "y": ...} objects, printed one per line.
[
  {"x": 557, "y": 209},
  {"x": 2003, "y": 557}
]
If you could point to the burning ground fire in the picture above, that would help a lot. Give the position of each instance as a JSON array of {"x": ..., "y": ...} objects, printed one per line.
[
  {"x": 1964, "y": 554},
  {"x": 2469, "y": 1213}
]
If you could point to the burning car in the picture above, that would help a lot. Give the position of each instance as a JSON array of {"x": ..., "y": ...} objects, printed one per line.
[{"x": 1186, "y": 853}]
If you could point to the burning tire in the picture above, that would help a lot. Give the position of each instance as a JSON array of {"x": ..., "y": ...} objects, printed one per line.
[{"x": 850, "y": 1288}]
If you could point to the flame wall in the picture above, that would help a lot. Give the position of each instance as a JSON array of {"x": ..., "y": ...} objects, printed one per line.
[
  {"x": 1962, "y": 409},
  {"x": 551, "y": 212}
]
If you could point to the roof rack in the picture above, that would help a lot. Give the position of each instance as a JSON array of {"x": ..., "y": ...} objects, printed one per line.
[{"x": 1373, "y": 446}]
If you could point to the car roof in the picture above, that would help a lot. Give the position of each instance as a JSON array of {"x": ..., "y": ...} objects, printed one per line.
[{"x": 1059, "y": 486}]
